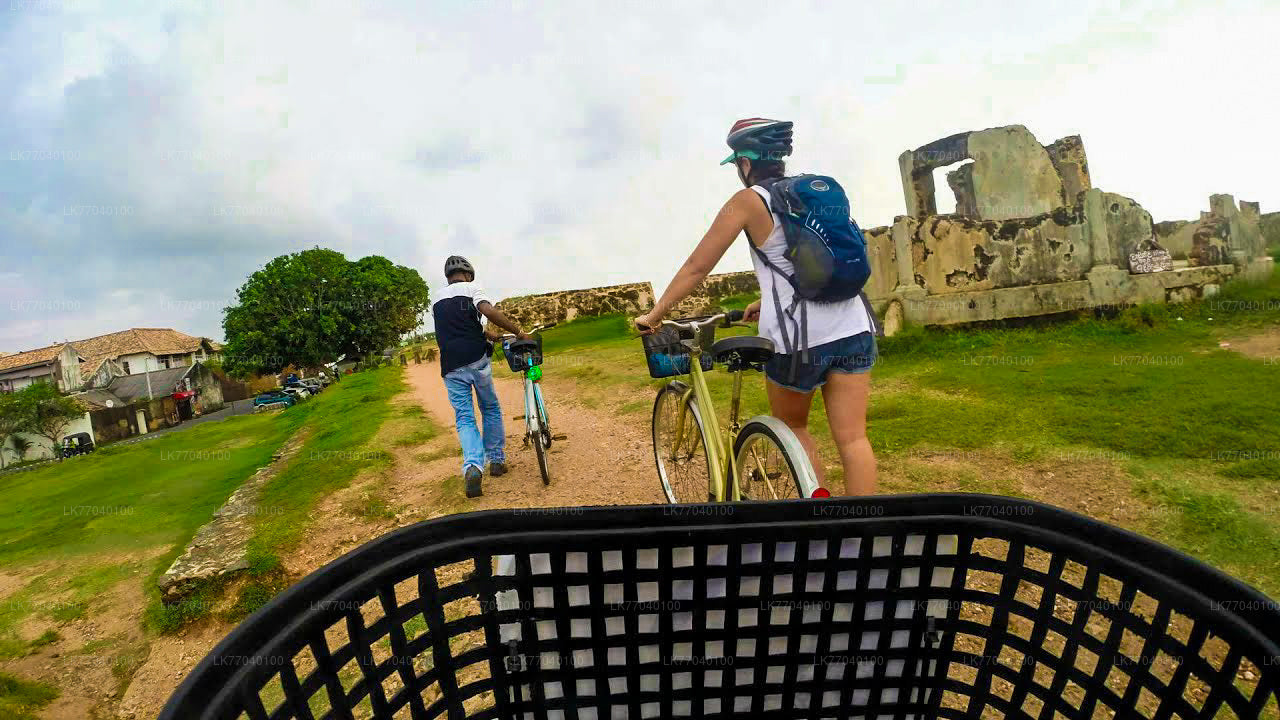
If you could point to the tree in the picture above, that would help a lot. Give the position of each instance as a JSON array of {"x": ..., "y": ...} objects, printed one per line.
[
  {"x": 47, "y": 411},
  {"x": 307, "y": 308},
  {"x": 386, "y": 302},
  {"x": 13, "y": 420}
]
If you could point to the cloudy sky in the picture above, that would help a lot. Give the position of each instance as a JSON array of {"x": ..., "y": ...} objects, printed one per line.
[{"x": 152, "y": 157}]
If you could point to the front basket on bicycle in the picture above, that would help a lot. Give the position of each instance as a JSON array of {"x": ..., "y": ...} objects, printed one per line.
[
  {"x": 668, "y": 357},
  {"x": 915, "y": 606}
]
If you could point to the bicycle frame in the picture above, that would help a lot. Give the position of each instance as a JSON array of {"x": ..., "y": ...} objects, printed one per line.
[
  {"x": 534, "y": 408},
  {"x": 720, "y": 452}
]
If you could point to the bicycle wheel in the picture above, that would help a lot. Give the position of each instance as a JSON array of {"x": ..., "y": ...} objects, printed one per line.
[
  {"x": 771, "y": 463},
  {"x": 683, "y": 466},
  {"x": 538, "y": 433}
]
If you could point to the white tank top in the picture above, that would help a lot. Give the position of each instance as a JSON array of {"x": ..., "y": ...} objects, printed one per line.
[{"x": 826, "y": 321}]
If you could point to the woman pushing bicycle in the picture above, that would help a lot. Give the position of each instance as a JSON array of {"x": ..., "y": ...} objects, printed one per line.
[{"x": 811, "y": 265}]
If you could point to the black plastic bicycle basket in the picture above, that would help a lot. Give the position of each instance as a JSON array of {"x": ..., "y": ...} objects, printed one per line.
[
  {"x": 666, "y": 356},
  {"x": 521, "y": 357},
  {"x": 920, "y": 606}
]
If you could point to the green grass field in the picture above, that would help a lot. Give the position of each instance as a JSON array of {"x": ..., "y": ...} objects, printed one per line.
[
  {"x": 1191, "y": 428},
  {"x": 78, "y": 527},
  {"x": 82, "y": 525}
]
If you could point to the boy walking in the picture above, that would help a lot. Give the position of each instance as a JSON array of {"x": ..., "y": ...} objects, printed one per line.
[{"x": 464, "y": 363}]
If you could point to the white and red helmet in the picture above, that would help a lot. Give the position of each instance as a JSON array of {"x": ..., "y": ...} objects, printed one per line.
[{"x": 759, "y": 139}]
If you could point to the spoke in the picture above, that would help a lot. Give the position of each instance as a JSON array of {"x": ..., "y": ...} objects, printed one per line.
[{"x": 773, "y": 492}]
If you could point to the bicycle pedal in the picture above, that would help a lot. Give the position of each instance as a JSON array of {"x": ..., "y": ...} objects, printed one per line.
[{"x": 517, "y": 417}]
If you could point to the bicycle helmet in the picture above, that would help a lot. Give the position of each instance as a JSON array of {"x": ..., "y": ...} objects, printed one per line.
[
  {"x": 759, "y": 139},
  {"x": 456, "y": 263}
]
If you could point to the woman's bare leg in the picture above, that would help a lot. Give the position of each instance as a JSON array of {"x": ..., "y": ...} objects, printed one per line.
[
  {"x": 792, "y": 408},
  {"x": 845, "y": 396}
]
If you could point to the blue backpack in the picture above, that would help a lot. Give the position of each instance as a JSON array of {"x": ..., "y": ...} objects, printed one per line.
[{"x": 824, "y": 245}]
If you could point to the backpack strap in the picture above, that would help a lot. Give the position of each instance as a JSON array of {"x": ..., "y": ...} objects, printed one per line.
[
  {"x": 797, "y": 344},
  {"x": 876, "y": 328}
]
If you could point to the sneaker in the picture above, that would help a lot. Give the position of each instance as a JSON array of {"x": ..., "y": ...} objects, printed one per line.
[
  {"x": 496, "y": 469},
  {"x": 473, "y": 476}
]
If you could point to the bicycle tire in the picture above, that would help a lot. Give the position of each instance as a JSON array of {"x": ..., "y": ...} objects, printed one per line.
[
  {"x": 687, "y": 480},
  {"x": 771, "y": 430},
  {"x": 536, "y": 434}
]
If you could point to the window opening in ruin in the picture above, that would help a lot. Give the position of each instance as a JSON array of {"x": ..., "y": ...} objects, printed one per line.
[{"x": 945, "y": 195}]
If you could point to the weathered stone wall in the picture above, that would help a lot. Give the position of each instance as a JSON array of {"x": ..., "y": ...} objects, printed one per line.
[
  {"x": 952, "y": 253},
  {"x": 1012, "y": 175},
  {"x": 1269, "y": 226},
  {"x": 1175, "y": 236},
  {"x": 566, "y": 305},
  {"x": 1128, "y": 226},
  {"x": 1219, "y": 232},
  {"x": 1067, "y": 155},
  {"x": 705, "y": 298},
  {"x": 883, "y": 256}
]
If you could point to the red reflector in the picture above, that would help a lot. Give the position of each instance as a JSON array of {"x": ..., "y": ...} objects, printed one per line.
[{"x": 821, "y": 493}]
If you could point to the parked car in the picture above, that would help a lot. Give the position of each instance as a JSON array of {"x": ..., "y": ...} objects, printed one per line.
[
  {"x": 76, "y": 444},
  {"x": 272, "y": 397},
  {"x": 313, "y": 385},
  {"x": 298, "y": 392}
]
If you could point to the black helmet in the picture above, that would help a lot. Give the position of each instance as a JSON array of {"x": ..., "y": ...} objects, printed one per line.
[
  {"x": 457, "y": 263},
  {"x": 759, "y": 139}
]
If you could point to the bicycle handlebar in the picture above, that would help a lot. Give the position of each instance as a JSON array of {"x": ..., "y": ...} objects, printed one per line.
[
  {"x": 534, "y": 329},
  {"x": 724, "y": 319}
]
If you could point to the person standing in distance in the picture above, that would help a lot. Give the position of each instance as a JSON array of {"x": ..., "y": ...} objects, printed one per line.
[{"x": 464, "y": 363}]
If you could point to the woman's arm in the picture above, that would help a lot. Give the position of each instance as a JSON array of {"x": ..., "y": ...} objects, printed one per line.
[{"x": 729, "y": 222}]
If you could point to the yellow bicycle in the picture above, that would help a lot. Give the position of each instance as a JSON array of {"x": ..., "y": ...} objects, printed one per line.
[{"x": 759, "y": 460}]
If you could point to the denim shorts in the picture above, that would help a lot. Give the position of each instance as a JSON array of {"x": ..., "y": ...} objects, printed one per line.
[{"x": 852, "y": 355}]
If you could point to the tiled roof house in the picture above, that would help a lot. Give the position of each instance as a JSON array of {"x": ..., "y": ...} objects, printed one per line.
[{"x": 94, "y": 362}]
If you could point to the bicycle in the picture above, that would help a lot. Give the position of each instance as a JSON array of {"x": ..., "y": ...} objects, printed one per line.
[
  {"x": 525, "y": 357},
  {"x": 767, "y": 461}
]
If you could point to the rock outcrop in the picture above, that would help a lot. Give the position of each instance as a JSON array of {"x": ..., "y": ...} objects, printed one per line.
[{"x": 218, "y": 549}]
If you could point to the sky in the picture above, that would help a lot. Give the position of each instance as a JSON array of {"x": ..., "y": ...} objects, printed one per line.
[{"x": 153, "y": 156}]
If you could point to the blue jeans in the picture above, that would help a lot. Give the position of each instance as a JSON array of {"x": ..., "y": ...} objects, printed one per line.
[{"x": 475, "y": 450}]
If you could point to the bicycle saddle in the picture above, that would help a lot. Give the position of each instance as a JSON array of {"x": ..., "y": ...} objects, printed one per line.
[{"x": 749, "y": 349}]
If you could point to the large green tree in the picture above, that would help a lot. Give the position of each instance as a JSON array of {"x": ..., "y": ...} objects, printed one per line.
[{"x": 310, "y": 307}]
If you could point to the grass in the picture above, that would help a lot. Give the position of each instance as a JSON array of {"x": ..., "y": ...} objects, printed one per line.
[
  {"x": 136, "y": 498},
  {"x": 21, "y": 700},
  {"x": 343, "y": 420},
  {"x": 67, "y": 524},
  {"x": 1213, "y": 526},
  {"x": 48, "y": 637}
]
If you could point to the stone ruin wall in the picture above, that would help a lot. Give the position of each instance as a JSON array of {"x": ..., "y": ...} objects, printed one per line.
[
  {"x": 1270, "y": 227},
  {"x": 1030, "y": 235},
  {"x": 563, "y": 306},
  {"x": 705, "y": 299}
]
